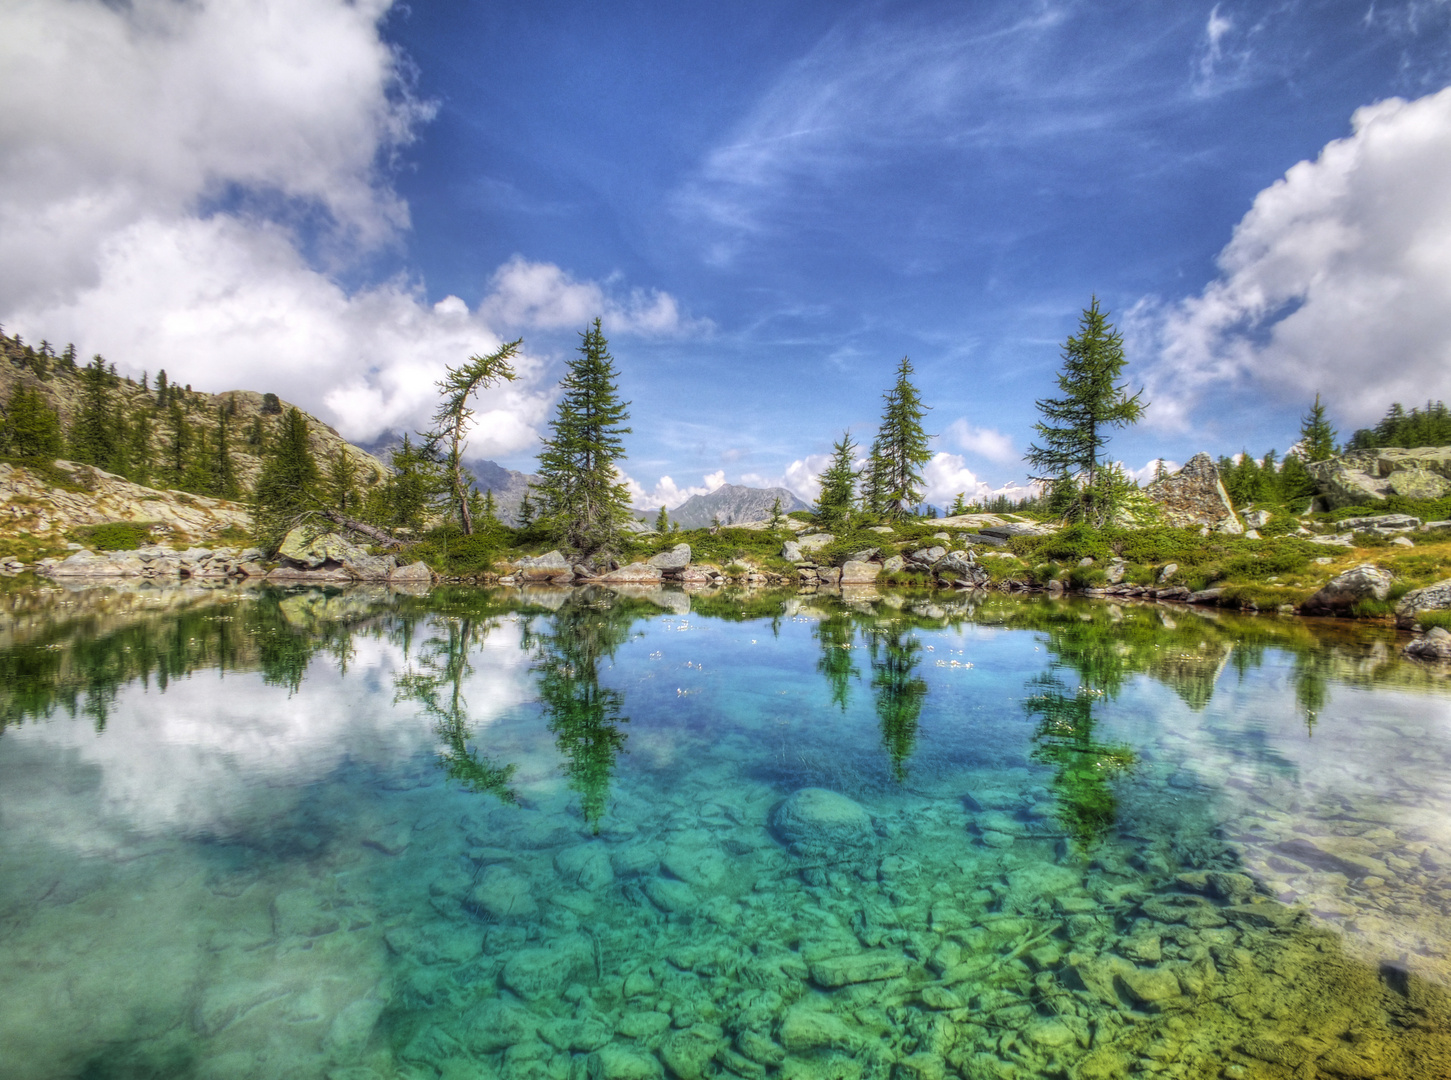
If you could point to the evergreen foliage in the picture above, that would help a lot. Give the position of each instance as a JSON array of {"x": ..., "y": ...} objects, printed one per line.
[
  {"x": 288, "y": 485},
  {"x": 451, "y": 420},
  {"x": 1074, "y": 429},
  {"x": 1428, "y": 427},
  {"x": 342, "y": 481},
  {"x": 584, "y": 501},
  {"x": 31, "y": 429},
  {"x": 662, "y": 519},
  {"x": 93, "y": 436},
  {"x": 900, "y": 449},
  {"x": 1317, "y": 437},
  {"x": 838, "y": 486}
]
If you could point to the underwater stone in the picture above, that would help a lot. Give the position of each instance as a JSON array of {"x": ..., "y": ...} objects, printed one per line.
[
  {"x": 804, "y": 1028},
  {"x": 585, "y": 865},
  {"x": 863, "y": 967},
  {"x": 353, "y": 1027},
  {"x": 997, "y": 840},
  {"x": 817, "y": 817},
  {"x": 760, "y": 1048},
  {"x": 687, "y": 1054},
  {"x": 502, "y": 894},
  {"x": 616, "y": 1062},
  {"x": 920, "y": 1066},
  {"x": 1143, "y": 948},
  {"x": 670, "y": 896},
  {"x": 694, "y": 866},
  {"x": 500, "y": 1024},
  {"x": 1149, "y": 987},
  {"x": 1051, "y": 1034},
  {"x": 580, "y": 1036},
  {"x": 297, "y": 913},
  {"x": 643, "y": 1025},
  {"x": 392, "y": 839},
  {"x": 543, "y": 972},
  {"x": 636, "y": 859}
]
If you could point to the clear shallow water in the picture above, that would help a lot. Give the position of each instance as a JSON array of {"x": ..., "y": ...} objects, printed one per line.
[{"x": 476, "y": 834}]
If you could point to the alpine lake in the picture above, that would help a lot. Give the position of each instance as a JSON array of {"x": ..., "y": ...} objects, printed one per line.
[{"x": 568, "y": 834}]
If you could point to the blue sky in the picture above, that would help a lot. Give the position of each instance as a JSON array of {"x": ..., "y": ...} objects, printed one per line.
[{"x": 768, "y": 203}]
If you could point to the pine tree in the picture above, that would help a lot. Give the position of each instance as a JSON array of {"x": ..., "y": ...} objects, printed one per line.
[
  {"x": 162, "y": 390},
  {"x": 1317, "y": 437},
  {"x": 342, "y": 481},
  {"x": 662, "y": 520},
  {"x": 93, "y": 433},
  {"x": 200, "y": 475},
  {"x": 959, "y": 505},
  {"x": 224, "y": 471},
  {"x": 584, "y": 501},
  {"x": 526, "y": 512},
  {"x": 288, "y": 485},
  {"x": 1074, "y": 427},
  {"x": 903, "y": 445},
  {"x": 178, "y": 444},
  {"x": 451, "y": 421},
  {"x": 776, "y": 519},
  {"x": 413, "y": 488},
  {"x": 874, "y": 481},
  {"x": 32, "y": 428},
  {"x": 142, "y": 458},
  {"x": 838, "y": 485}
]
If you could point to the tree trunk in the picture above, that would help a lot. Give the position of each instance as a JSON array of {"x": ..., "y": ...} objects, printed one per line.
[{"x": 356, "y": 526}]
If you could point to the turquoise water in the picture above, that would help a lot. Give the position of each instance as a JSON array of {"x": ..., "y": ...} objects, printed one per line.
[{"x": 589, "y": 834}]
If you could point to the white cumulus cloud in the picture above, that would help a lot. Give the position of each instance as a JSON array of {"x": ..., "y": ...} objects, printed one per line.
[
  {"x": 182, "y": 186},
  {"x": 667, "y": 492},
  {"x": 1338, "y": 280},
  {"x": 985, "y": 442}
]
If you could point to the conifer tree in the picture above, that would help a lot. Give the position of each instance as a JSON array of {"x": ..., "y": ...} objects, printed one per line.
[
  {"x": 451, "y": 421},
  {"x": 342, "y": 481},
  {"x": 200, "y": 475},
  {"x": 526, "y": 511},
  {"x": 902, "y": 444},
  {"x": 662, "y": 520},
  {"x": 68, "y": 359},
  {"x": 162, "y": 388},
  {"x": 138, "y": 438},
  {"x": 1317, "y": 437},
  {"x": 584, "y": 501},
  {"x": 874, "y": 481},
  {"x": 838, "y": 485},
  {"x": 412, "y": 490},
  {"x": 1074, "y": 430},
  {"x": 178, "y": 444},
  {"x": 959, "y": 505},
  {"x": 32, "y": 428},
  {"x": 289, "y": 482},
  {"x": 776, "y": 519},
  {"x": 93, "y": 432},
  {"x": 224, "y": 471}
]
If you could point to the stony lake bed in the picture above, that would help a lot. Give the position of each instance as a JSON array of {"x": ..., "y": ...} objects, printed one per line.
[{"x": 363, "y": 834}]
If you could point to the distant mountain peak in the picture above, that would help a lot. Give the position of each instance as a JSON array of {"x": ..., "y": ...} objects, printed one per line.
[{"x": 734, "y": 504}]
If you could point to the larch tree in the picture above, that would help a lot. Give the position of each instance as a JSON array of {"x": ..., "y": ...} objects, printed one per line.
[
  {"x": 1074, "y": 430},
  {"x": 584, "y": 501},
  {"x": 838, "y": 485},
  {"x": 451, "y": 421}
]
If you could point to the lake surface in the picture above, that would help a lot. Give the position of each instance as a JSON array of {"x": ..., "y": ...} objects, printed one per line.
[{"x": 561, "y": 834}]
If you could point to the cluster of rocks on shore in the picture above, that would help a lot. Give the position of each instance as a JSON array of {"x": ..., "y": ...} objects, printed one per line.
[{"x": 303, "y": 558}]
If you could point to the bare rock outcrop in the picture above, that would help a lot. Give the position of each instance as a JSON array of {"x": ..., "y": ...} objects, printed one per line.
[{"x": 1194, "y": 497}]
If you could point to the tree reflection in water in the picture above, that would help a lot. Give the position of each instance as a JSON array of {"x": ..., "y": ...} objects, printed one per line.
[
  {"x": 899, "y": 692},
  {"x": 1084, "y": 768},
  {"x": 437, "y": 685},
  {"x": 836, "y": 632},
  {"x": 584, "y": 716}
]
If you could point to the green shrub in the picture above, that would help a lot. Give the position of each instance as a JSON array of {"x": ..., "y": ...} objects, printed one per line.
[
  {"x": 448, "y": 551},
  {"x": 1372, "y": 609},
  {"x": 1429, "y": 619},
  {"x": 1087, "y": 577},
  {"x": 1043, "y": 573},
  {"x": 114, "y": 535}
]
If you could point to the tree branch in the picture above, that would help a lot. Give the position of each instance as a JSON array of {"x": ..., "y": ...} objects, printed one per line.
[{"x": 385, "y": 539}]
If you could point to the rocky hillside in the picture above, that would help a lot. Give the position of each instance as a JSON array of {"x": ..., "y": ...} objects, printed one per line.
[
  {"x": 733, "y": 504},
  {"x": 38, "y": 510},
  {"x": 61, "y": 386}
]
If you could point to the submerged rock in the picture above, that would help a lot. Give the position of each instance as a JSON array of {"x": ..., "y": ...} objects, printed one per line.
[
  {"x": 816, "y": 817},
  {"x": 859, "y": 968},
  {"x": 536, "y": 974},
  {"x": 502, "y": 894}
]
